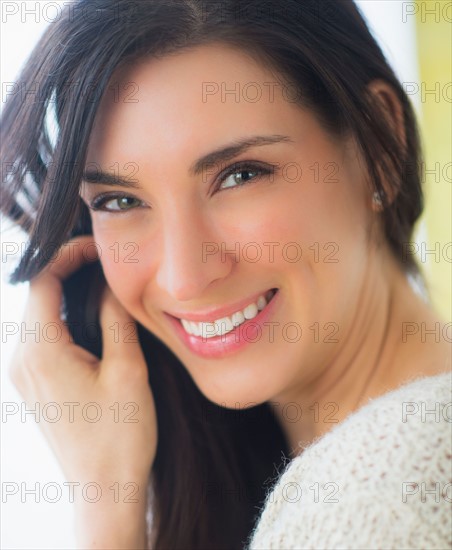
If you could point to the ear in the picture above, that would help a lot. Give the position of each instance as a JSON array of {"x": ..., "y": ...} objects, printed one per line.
[
  {"x": 392, "y": 110},
  {"x": 391, "y": 107}
]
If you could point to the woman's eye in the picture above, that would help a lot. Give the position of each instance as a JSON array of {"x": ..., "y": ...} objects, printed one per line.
[
  {"x": 115, "y": 204},
  {"x": 242, "y": 175}
]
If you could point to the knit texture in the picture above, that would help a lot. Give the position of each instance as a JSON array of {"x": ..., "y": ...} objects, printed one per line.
[{"x": 380, "y": 479}]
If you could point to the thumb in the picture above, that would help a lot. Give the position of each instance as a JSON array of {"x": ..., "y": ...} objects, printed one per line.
[{"x": 119, "y": 333}]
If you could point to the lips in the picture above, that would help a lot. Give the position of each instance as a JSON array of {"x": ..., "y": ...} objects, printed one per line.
[
  {"x": 212, "y": 314},
  {"x": 226, "y": 344},
  {"x": 226, "y": 324}
]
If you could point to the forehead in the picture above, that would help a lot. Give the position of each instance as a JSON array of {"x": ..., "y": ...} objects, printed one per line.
[{"x": 192, "y": 99}]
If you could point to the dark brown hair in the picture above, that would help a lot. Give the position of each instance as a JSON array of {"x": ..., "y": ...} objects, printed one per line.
[{"x": 213, "y": 465}]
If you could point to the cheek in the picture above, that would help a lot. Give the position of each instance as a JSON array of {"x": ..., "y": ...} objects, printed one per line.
[
  {"x": 297, "y": 224},
  {"x": 318, "y": 239},
  {"x": 124, "y": 264}
]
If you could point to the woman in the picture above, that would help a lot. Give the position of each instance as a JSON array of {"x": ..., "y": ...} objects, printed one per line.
[{"x": 235, "y": 184}]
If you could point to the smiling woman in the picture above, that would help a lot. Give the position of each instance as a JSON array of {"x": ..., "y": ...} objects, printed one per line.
[{"x": 247, "y": 176}]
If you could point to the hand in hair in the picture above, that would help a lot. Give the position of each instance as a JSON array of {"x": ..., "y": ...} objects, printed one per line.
[{"x": 107, "y": 433}]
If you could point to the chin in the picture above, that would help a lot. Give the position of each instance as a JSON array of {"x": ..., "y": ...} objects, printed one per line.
[{"x": 241, "y": 389}]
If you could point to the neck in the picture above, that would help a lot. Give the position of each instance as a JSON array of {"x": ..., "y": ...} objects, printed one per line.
[{"x": 372, "y": 359}]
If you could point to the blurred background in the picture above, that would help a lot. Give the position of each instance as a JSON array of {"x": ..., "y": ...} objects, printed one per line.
[{"x": 416, "y": 37}]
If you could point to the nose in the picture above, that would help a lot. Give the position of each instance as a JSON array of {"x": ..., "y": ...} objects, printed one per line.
[{"x": 186, "y": 264}]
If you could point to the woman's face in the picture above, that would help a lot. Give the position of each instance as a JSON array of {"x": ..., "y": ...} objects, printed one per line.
[{"x": 186, "y": 240}]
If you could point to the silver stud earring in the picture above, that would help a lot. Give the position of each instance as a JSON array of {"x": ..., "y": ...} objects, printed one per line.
[{"x": 376, "y": 198}]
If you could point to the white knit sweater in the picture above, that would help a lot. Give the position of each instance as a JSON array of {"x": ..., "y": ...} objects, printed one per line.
[{"x": 381, "y": 479}]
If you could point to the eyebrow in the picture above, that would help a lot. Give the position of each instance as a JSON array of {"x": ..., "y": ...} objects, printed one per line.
[
  {"x": 108, "y": 178},
  {"x": 222, "y": 154},
  {"x": 233, "y": 150}
]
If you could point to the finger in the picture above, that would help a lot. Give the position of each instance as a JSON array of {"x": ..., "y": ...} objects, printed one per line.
[
  {"x": 71, "y": 256},
  {"x": 43, "y": 309},
  {"x": 119, "y": 333}
]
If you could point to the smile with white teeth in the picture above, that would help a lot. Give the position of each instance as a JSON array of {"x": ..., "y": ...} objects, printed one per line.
[{"x": 224, "y": 325}]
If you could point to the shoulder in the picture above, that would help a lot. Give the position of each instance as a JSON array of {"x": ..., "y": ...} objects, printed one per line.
[{"x": 379, "y": 479}]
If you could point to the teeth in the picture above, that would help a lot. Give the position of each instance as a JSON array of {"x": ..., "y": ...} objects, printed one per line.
[
  {"x": 186, "y": 325},
  {"x": 194, "y": 328},
  {"x": 207, "y": 330},
  {"x": 226, "y": 324},
  {"x": 238, "y": 318},
  {"x": 250, "y": 311}
]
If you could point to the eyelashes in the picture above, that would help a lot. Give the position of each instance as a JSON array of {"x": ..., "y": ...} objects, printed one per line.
[
  {"x": 123, "y": 202},
  {"x": 99, "y": 202},
  {"x": 242, "y": 167}
]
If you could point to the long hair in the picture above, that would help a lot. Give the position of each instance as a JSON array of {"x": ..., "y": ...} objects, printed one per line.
[{"x": 213, "y": 465}]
